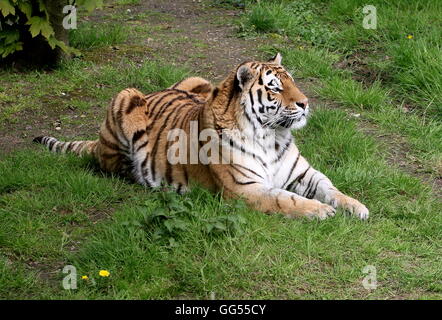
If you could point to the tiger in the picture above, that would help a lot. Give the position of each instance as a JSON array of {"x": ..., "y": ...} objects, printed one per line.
[{"x": 255, "y": 101}]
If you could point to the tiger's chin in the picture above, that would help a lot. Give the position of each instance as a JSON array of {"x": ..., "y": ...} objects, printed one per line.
[
  {"x": 293, "y": 125},
  {"x": 299, "y": 124}
]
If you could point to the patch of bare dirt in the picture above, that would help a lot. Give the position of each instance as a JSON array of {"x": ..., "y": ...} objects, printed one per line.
[
  {"x": 399, "y": 156},
  {"x": 208, "y": 42},
  {"x": 30, "y": 124}
]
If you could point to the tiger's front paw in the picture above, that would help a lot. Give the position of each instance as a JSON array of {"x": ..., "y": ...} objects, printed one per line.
[{"x": 353, "y": 206}]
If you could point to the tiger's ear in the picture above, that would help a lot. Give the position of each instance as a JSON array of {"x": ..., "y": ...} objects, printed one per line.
[
  {"x": 276, "y": 59},
  {"x": 244, "y": 74}
]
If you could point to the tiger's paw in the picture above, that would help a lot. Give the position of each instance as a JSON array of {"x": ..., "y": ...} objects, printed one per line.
[{"x": 353, "y": 206}]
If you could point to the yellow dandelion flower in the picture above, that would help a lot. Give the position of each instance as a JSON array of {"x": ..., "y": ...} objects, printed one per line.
[
  {"x": 85, "y": 277},
  {"x": 409, "y": 36},
  {"x": 104, "y": 273}
]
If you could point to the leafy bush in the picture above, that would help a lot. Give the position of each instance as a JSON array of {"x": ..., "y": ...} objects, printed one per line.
[
  {"x": 175, "y": 215},
  {"x": 22, "y": 20},
  {"x": 224, "y": 224}
]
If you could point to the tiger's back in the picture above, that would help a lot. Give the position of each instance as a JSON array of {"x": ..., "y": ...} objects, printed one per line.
[{"x": 134, "y": 135}]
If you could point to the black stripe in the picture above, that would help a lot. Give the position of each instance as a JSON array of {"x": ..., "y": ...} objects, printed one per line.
[
  {"x": 51, "y": 144},
  {"x": 109, "y": 144},
  {"x": 70, "y": 146},
  {"x": 144, "y": 168},
  {"x": 163, "y": 109},
  {"x": 250, "y": 170},
  {"x": 135, "y": 101},
  {"x": 112, "y": 133},
  {"x": 233, "y": 144},
  {"x": 233, "y": 167},
  {"x": 215, "y": 92},
  {"x": 292, "y": 169},
  {"x": 249, "y": 120},
  {"x": 137, "y": 135},
  {"x": 158, "y": 102},
  {"x": 309, "y": 184},
  {"x": 282, "y": 152},
  {"x": 261, "y": 106},
  {"x": 240, "y": 182},
  {"x": 256, "y": 116},
  {"x": 251, "y": 98},
  {"x": 313, "y": 191},
  {"x": 119, "y": 118},
  {"x": 298, "y": 179},
  {"x": 177, "y": 84},
  {"x": 38, "y": 139},
  {"x": 292, "y": 197},
  {"x": 141, "y": 146}
]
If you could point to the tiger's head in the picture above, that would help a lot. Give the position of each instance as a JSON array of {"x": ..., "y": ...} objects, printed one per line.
[{"x": 269, "y": 95}]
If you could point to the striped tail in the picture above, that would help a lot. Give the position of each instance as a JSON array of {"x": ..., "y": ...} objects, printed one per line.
[{"x": 78, "y": 147}]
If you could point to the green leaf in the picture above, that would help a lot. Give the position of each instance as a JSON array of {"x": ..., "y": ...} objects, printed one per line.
[
  {"x": 40, "y": 25},
  {"x": 41, "y": 6},
  {"x": 169, "y": 225},
  {"x": 10, "y": 36},
  {"x": 26, "y": 8},
  {"x": 173, "y": 243},
  {"x": 220, "y": 226},
  {"x": 6, "y": 8},
  {"x": 53, "y": 42},
  {"x": 209, "y": 227},
  {"x": 6, "y": 50}
]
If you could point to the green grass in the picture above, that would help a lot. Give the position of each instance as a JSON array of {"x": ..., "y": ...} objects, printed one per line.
[
  {"x": 81, "y": 84},
  {"x": 295, "y": 19},
  {"x": 90, "y": 35}
]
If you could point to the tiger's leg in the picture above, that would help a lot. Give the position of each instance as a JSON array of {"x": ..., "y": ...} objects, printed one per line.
[
  {"x": 312, "y": 184},
  {"x": 264, "y": 198}
]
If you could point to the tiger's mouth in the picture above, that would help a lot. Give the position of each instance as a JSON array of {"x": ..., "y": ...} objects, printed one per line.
[{"x": 293, "y": 121}]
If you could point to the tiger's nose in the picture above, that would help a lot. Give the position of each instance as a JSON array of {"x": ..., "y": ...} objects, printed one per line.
[{"x": 303, "y": 103}]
